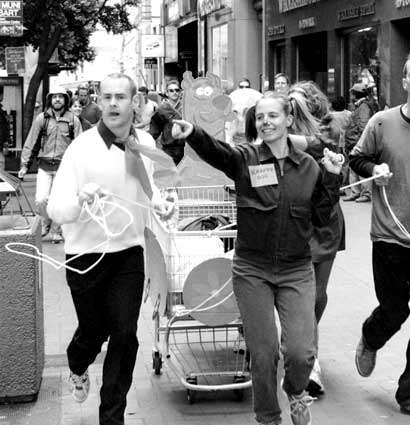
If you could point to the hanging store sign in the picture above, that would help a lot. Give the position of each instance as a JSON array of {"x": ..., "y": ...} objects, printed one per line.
[
  {"x": 152, "y": 46},
  {"x": 205, "y": 7},
  {"x": 15, "y": 61},
  {"x": 402, "y": 3},
  {"x": 287, "y": 5},
  {"x": 356, "y": 12},
  {"x": 307, "y": 23},
  {"x": 151, "y": 63},
  {"x": 276, "y": 30},
  {"x": 11, "y": 18}
]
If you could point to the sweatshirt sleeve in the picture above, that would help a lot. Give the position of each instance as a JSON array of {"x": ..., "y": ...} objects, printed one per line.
[
  {"x": 325, "y": 197},
  {"x": 363, "y": 156},
  {"x": 63, "y": 206},
  {"x": 219, "y": 155},
  {"x": 30, "y": 150}
]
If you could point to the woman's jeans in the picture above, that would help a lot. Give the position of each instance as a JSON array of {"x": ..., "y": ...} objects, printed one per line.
[
  {"x": 260, "y": 288},
  {"x": 391, "y": 274}
]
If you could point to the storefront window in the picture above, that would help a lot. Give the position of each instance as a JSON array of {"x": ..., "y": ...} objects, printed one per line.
[
  {"x": 220, "y": 51},
  {"x": 362, "y": 62}
]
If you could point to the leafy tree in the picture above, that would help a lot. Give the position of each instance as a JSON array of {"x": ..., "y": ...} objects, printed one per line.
[{"x": 67, "y": 25}]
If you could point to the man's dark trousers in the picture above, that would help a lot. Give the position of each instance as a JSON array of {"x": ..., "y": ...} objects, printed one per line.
[
  {"x": 107, "y": 300},
  {"x": 391, "y": 273}
]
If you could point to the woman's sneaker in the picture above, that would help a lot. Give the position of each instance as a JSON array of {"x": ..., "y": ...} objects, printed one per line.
[
  {"x": 299, "y": 407},
  {"x": 315, "y": 387},
  {"x": 79, "y": 386}
]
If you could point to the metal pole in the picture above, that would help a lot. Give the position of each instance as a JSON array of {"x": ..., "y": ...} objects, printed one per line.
[{"x": 263, "y": 45}]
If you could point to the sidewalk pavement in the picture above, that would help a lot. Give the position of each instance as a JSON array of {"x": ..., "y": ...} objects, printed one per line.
[{"x": 161, "y": 400}]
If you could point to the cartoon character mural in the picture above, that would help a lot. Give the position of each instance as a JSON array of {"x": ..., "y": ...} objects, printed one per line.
[{"x": 205, "y": 104}]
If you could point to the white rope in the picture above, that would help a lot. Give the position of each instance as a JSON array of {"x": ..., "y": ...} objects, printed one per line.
[
  {"x": 185, "y": 312},
  {"x": 95, "y": 212},
  {"x": 393, "y": 215},
  {"x": 368, "y": 179}
]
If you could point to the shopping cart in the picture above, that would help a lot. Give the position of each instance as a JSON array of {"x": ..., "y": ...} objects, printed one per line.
[{"x": 196, "y": 320}]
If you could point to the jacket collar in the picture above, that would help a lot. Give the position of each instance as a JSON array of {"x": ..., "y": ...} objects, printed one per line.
[
  {"x": 65, "y": 116},
  {"x": 109, "y": 137},
  {"x": 265, "y": 153}
]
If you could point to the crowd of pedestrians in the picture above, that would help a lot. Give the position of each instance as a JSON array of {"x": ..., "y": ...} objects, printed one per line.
[{"x": 296, "y": 153}]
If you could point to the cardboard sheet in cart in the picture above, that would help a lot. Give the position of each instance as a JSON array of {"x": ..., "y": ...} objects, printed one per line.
[{"x": 205, "y": 105}]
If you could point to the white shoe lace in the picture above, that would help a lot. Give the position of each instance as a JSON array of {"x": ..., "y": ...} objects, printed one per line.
[
  {"x": 299, "y": 404},
  {"x": 79, "y": 380}
]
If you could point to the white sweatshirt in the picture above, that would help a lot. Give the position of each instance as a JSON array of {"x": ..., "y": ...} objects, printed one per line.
[{"x": 92, "y": 157}]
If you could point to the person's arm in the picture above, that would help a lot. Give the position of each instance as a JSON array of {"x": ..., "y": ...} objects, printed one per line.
[
  {"x": 363, "y": 158},
  {"x": 78, "y": 129},
  {"x": 64, "y": 204},
  {"x": 326, "y": 193},
  {"x": 31, "y": 146},
  {"x": 157, "y": 124},
  {"x": 219, "y": 155}
]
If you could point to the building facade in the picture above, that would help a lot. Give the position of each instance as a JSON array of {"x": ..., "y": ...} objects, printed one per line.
[
  {"x": 220, "y": 36},
  {"x": 338, "y": 43}
]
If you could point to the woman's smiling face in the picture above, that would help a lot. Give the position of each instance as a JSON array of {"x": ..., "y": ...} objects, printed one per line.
[{"x": 271, "y": 120}]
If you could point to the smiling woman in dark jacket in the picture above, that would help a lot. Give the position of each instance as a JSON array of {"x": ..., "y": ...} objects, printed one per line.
[{"x": 281, "y": 195}]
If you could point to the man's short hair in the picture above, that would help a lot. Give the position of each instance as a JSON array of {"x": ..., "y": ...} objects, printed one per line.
[
  {"x": 406, "y": 67},
  {"x": 244, "y": 80},
  {"x": 119, "y": 75},
  {"x": 175, "y": 82},
  {"x": 143, "y": 89},
  {"x": 281, "y": 74}
]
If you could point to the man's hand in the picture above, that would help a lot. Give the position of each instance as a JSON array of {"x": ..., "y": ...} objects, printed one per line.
[
  {"x": 22, "y": 172},
  {"x": 165, "y": 209},
  {"x": 89, "y": 192},
  {"x": 384, "y": 171},
  {"x": 332, "y": 161},
  {"x": 181, "y": 129}
]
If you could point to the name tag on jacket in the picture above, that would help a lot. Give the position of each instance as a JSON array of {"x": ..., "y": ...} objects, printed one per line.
[{"x": 263, "y": 175}]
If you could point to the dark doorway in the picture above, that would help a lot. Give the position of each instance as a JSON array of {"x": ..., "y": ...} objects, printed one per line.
[
  {"x": 312, "y": 58},
  {"x": 188, "y": 49}
]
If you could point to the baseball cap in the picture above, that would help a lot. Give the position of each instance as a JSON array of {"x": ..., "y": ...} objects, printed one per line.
[{"x": 359, "y": 88}]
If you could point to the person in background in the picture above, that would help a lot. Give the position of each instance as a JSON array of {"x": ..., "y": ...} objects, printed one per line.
[
  {"x": 91, "y": 112},
  {"x": 4, "y": 134},
  {"x": 314, "y": 120},
  {"x": 146, "y": 110},
  {"x": 281, "y": 195},
  {"x": 383, "y": 149},
  {"x": 76, "y": 108},
  {"x": 161, "y": 122},
  {"x": 281, "y": 83},
  {"x": 244, "y": 83},
  {"x": 363, "y": 110},
  {"x": 107, "y": 159},
  {"x": 50, "y": 134}
]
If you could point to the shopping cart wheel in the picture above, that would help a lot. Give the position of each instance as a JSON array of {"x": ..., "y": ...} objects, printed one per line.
[
  {"x": 191, "y": 394},
  {"x": 157, "y": 362},
  {"x": 239, "y": 393}
]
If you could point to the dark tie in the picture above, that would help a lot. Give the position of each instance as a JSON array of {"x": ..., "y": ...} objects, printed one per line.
[{"x": 135, "y": 165}]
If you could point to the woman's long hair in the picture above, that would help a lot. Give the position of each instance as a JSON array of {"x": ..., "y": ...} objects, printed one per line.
[{"x": 309, "y": 106}]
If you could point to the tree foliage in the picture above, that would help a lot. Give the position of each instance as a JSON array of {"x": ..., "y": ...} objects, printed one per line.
[{"x": 67, "y": 25}]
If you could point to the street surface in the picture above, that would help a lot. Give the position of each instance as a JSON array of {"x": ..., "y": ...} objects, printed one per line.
[{"x": 161, "y": 400}]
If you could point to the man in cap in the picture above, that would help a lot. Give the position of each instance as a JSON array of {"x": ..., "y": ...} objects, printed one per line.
[
  {"x": 363, "y": 110},
  {"x": 51, "y": 132}
]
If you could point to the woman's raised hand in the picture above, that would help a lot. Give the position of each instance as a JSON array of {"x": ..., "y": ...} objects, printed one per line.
[
  {"x": 332, "y": 161},
  {"x": 181, "y": 129}
]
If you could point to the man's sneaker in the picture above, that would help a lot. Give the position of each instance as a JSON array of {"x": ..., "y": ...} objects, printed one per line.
[
  {"x": 79, "y": 386},
  {"x": 405, "y": 407},
  {"x": 45, "y": 229},
  {"x": 365, "y": 359},
  {"x": 315, "y": 387},
  {"x": 299, "y": 407}
]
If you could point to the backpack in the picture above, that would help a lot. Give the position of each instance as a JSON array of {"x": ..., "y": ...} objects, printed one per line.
[
  {"x": 209, "y": 222},
  {"x": 41, "y": 138}
]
